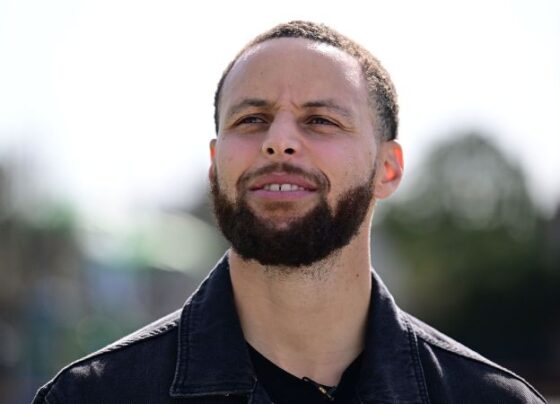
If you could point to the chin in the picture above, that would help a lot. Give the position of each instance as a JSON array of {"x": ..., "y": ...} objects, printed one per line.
[{"x": 279, "y": 220}]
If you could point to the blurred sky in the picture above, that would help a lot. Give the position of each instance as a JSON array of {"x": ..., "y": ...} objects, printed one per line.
[{"x": 111, "y": 101}]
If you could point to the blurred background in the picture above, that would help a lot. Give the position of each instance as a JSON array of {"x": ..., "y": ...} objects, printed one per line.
[{"x": 105, "y": 119}]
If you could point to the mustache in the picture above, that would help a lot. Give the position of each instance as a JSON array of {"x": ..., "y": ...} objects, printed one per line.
[{"x": 318, "y": 178}]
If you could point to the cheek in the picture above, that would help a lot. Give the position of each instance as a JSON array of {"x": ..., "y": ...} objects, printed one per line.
[
  {"x": 233, "y": 157},
  {"x": 346, "y": 166}
]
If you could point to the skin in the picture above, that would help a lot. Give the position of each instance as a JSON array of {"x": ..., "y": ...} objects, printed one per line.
[{"x": 298, "y": 102}]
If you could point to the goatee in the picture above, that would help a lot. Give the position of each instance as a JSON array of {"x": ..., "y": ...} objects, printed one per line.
[{"x": 306, "y": 239}]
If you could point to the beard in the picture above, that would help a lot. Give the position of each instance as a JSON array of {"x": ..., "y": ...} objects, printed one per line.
[{"x": 306, "y": 239}]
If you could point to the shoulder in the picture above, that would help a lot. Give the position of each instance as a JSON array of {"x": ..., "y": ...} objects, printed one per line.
[
  {"x": 455, "y": 373},
  {"x": 120, "y": 367}
]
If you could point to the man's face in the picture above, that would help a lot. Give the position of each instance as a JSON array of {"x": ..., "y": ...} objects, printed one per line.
[{"x": 296, "y": 149}]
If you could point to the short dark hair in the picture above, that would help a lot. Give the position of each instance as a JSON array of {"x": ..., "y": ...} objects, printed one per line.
[{"x": 381, "y": 91}]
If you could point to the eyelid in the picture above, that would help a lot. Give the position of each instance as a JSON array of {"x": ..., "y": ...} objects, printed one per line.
[
  {"x": 242, "y": 119},
  {"x": 329, "y": 121}
]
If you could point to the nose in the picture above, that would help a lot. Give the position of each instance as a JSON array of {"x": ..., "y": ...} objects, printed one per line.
[{"x": 282, "y": 138}]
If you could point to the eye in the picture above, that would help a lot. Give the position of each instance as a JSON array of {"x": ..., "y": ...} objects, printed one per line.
[
  {"x": 319, "y": 120},
  {"x": 251, "y": 119}
]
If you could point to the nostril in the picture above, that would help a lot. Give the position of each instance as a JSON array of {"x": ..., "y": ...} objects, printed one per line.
[
  {"x": 289, "y": 150},
  {"x": 270, "y": 150}
]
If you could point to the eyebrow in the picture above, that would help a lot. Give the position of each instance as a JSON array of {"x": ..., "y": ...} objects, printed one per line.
[
  {"x": 246, "y": 103},
  {"x": 330, "y": 105}
]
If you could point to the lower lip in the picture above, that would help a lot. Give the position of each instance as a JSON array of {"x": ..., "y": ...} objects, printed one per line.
[{"x": 282, "y": 195}]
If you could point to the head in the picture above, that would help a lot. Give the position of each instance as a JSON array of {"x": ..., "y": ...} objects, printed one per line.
[{"x": 306, "y": 122}]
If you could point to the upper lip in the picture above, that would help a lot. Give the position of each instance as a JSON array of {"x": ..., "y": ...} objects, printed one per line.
[{"x": 282, "y": 178}]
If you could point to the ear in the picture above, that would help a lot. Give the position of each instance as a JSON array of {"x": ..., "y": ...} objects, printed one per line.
[
  {"x": 212, "y": 158},
  {"x": 389, "y": 169}
]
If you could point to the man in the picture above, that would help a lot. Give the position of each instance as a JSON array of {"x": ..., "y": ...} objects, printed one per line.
[{"x": 306, "y": 122}]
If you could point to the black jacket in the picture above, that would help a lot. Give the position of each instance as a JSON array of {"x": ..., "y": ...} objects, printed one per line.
[{"x": 198, "y": 355}]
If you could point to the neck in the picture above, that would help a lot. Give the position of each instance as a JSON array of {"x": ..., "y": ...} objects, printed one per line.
[{"x": 310, "y": 321}]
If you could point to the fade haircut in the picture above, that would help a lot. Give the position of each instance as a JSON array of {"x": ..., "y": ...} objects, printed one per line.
[{"x": 381, "y": 91}]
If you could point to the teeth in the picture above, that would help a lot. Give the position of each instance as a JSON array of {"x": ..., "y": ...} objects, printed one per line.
[{"x": 283, "y": 187}]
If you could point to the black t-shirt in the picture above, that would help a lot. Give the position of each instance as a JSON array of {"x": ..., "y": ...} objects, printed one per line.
[{"x": 285, "y": 388}]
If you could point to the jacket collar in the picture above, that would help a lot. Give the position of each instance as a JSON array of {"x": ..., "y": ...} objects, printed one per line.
[
  {"x": 213, "y": 358},
  {"x": 391, "y": 370}
]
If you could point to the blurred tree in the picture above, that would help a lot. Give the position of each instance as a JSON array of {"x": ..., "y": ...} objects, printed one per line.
[
  {"x": 39, "y": 262},
  {"x": 470, "y": 239}
]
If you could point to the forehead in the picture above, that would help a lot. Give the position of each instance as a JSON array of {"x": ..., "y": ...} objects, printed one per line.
[{"x": 299, "y": 67}]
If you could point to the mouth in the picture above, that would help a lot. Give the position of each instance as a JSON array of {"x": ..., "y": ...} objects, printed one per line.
[
  {"x": 283, "y": 188},
  {"x": 280, "y": 186},
  {"x": 283, "y": 182}
]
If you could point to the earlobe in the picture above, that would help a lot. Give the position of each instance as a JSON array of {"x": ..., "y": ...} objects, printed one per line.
[{"x": 389, "y": 169}]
